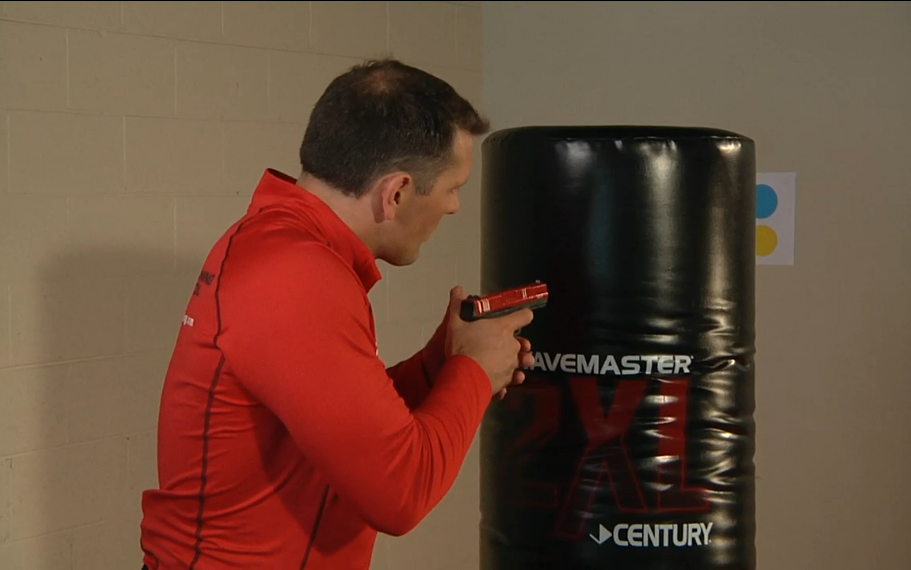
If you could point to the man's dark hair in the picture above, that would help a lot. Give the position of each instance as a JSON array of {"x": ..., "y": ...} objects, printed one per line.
[{"x": 382, "y": 116}]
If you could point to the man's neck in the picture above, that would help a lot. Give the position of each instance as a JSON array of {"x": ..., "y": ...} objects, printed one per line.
[{"x": 356, "y": 214}]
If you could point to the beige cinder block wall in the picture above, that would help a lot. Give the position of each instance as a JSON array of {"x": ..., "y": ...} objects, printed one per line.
[
  {"x": 825, "y": 90},
  {"x": 131, "y": 135}
]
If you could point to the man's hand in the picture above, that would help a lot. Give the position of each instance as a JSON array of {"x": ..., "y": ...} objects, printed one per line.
[
  {"x": 492, "y": 343},
  {"x": 526, "y": 359}
]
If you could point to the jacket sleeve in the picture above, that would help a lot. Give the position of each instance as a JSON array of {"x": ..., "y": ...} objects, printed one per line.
[
  {"x": 413, "y": 378},
  {"x": 295, "y": 330}
]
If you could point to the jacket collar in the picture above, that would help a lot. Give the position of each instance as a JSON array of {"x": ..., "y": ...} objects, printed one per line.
[{"x": 276, "y": 188}]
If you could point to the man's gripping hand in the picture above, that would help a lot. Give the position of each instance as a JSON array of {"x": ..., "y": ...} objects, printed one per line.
[{"x": 492, "y": 343}]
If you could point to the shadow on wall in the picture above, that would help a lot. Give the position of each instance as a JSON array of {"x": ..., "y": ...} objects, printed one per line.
[
  {"x": 102, "y": 323},
  {"x": 93, "y": 335}
]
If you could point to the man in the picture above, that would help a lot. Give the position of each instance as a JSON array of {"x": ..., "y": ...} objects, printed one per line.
[{"x": 284, "y": 442}]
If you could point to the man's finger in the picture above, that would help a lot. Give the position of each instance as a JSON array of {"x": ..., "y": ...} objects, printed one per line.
[
  {"x": 524, "y": 343},
  {"x": 519, "y": 319},
  {"x": 526, "y": 360}
]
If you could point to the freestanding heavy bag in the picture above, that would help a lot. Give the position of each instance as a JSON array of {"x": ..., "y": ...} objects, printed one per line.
[{"x": 630, "y": 445}]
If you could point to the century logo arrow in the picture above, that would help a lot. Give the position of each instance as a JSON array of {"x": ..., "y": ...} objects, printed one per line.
[
  {"x": 655, "y": 535},
  {"x": 603, "y": 535}
]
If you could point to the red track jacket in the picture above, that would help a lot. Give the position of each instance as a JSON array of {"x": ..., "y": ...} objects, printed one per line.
[{"x": 283, "y": 441}]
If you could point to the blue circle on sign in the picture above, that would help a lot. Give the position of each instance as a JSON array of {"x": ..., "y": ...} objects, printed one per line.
[{"x": 766, "y": 201}]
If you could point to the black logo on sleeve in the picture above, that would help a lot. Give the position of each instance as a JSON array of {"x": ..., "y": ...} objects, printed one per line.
[{"x": 205, "y": 278}]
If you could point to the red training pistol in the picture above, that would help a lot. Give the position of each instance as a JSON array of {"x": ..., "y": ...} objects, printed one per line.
[{"x": 532, "y": 296}]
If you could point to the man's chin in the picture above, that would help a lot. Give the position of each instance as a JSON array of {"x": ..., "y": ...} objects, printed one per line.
[{"x": 402, "y": 260}]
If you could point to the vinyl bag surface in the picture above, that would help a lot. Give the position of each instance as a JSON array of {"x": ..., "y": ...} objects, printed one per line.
[{"x": 630, "y": 445}]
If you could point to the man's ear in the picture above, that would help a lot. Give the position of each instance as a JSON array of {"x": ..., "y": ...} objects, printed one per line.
[{"x": 391, "y": 190}]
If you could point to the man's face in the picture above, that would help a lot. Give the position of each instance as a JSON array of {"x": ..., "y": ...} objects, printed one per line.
[{"x": 419, "y": 215}]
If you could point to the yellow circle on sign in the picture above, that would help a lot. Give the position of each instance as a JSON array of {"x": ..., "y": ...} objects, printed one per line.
[{"x": 766, "y": 240}]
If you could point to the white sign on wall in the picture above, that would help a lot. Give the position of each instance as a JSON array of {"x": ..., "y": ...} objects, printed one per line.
[{"x": 775, "y": 217}]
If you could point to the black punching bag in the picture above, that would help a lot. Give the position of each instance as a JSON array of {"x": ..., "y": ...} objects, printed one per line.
[{"x": 630, "y": 445}]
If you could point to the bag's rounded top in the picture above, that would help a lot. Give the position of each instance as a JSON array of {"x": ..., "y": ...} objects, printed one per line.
[{"x": 612, "y": 132}]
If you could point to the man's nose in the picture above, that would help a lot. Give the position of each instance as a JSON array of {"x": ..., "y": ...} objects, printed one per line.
[{"x": 454, "y": 204}]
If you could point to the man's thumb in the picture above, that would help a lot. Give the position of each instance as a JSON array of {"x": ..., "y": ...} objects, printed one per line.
[{"x": 457, "y": 293}]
